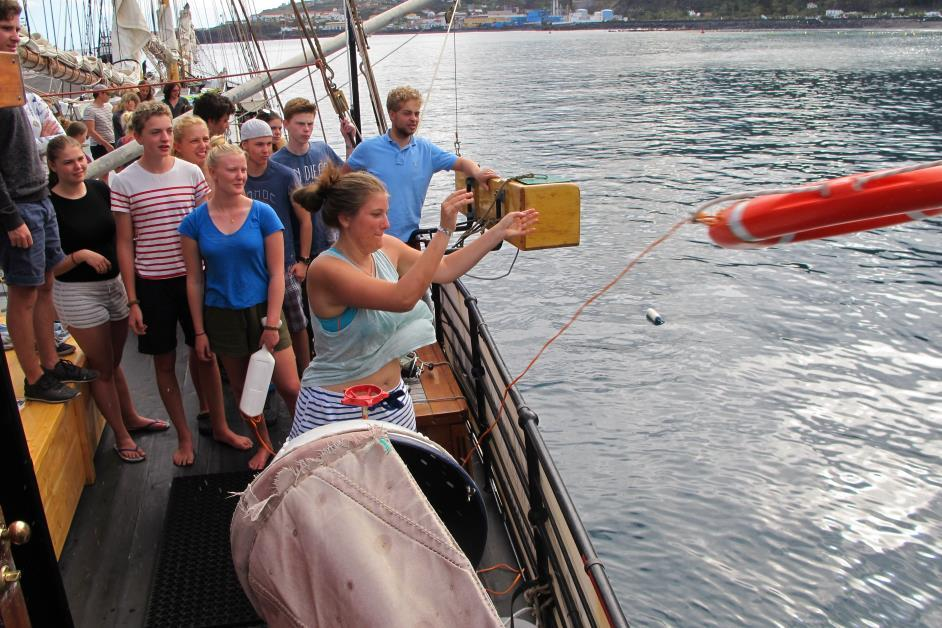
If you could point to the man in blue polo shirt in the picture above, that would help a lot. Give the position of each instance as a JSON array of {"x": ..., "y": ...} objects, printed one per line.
[{"x": 405, "y": 163}]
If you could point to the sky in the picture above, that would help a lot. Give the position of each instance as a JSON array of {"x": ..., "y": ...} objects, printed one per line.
[{"x": 65, "y": 20}]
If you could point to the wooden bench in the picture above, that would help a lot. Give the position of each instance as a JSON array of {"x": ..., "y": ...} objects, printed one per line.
[
  {"x": 440, "y": 407},
  {"x": 62, "y": 439}
]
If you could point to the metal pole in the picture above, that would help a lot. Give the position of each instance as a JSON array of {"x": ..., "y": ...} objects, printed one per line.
[
  {"x": 19, "y": 497},
  {"x": 132, "y": 150}
]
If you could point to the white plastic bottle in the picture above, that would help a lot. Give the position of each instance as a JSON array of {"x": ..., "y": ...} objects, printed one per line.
[{"x": 257, "y": 379}]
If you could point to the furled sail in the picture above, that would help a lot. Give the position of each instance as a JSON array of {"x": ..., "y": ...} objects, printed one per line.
[
  {"x": 129, "y": 32},
  {"x": 186, "y": 38},
  {"x": 166, "y": 32}
]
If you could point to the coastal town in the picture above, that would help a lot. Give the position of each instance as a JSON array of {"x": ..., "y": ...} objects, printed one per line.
[{"x": 329, "y": 18}]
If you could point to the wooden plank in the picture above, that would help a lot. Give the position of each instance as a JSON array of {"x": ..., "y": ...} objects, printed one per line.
[{"x": 11, "y": 81}]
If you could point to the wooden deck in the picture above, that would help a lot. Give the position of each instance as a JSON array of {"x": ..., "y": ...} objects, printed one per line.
[{"x": 109, "y": 558}]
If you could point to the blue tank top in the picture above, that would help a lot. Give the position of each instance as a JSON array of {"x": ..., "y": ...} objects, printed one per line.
[{"x": 371, "y": 340}]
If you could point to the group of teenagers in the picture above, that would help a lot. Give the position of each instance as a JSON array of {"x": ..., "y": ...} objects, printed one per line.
[{"x": 220, "y": 239}]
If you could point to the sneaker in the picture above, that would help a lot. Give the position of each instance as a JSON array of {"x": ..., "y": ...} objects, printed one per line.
[
  {"x": 5, "y": 337},
  {"x": 65, "y": 371},
  {"x": 64, "y": 349},
  {"x": 48, "y": 389},
  {"x": 60, "y": 332}
]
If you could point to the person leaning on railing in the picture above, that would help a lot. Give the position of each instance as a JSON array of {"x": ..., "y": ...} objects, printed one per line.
[{"x": 366, "y": 293}]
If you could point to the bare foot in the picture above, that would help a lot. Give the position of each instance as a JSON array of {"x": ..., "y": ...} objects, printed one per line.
[
  {"x": 232, "y": 439},
  {"x": 259, "y": 460},
  {"x": 184, "y": 456}
]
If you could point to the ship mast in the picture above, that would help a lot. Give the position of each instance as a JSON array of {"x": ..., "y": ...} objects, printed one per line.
[{"x": 132, "y": 150}]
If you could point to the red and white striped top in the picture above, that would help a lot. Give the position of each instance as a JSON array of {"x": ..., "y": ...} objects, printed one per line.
[{"x": 157, "y": 204}]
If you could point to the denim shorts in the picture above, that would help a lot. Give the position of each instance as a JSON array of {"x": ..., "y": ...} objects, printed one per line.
[{"x": 28, "y": 267}]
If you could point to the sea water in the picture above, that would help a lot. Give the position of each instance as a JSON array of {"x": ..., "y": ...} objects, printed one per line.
[{"x": 771, "y": 454}]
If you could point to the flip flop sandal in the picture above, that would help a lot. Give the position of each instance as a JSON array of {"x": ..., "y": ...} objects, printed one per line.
[
  {"x": 123, "y": 454},
  {"x": 153, "y": 425}
]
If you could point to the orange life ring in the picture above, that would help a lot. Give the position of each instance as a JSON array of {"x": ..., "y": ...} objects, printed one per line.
[{"x": 839, "y": 206}]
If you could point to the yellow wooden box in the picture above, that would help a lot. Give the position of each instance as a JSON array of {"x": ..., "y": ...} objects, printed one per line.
[{"x": 557, "y": 201}]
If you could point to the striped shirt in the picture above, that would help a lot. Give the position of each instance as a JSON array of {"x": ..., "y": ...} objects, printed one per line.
[{"x": 157, "y": 204}]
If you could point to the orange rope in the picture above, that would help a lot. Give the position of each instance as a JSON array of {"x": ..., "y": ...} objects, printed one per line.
[
  {"x": 589, "y": 301},
  {"x": 505, "y": 567},
  {"x": 255, "y": 421}
]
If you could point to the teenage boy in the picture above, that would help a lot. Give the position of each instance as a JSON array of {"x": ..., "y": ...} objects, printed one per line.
[
  {"x": 273, "y": 183},
  {"x": 307, "y": 158},
  {"x": 405, "y": 163},
  {"x": 215, "y": 109},
  {"x": 149, "y": 199},
  {"x": 29, "y": 247}
]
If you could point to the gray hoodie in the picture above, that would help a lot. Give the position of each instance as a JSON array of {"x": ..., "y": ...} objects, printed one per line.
[{"x": 22, "y": 176}]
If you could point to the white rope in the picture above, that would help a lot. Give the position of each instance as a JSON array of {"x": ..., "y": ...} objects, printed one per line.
[{"x": 441, "y": 52}]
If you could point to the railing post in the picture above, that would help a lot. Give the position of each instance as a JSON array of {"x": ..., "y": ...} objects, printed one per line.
[
  {"x": 437, "y": 302},
  {"x": 538, "y": 513}
]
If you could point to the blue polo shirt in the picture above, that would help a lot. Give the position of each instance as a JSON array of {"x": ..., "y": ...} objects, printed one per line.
[{"x": 406, "y": 172}]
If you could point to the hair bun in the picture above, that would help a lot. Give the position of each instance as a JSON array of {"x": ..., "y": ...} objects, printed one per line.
[{"x": 312, "y": 196}]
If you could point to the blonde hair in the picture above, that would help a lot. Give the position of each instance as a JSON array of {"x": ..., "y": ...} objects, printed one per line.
[
  {"x": 126, "y": 119},
  {"x": 399, "y": 95},
  {"x": 220, "y": 147},
  {"x": 335, "y": 193},
  {"x": 182, "y": 124},
  {"x": 126, "y": 98}
]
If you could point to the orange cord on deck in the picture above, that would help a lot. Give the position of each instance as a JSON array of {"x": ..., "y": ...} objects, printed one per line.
[
  {"x": 505, "y": 567},
  {"x": 255, "y": 421},
  {"x": 631, "y": 264}
]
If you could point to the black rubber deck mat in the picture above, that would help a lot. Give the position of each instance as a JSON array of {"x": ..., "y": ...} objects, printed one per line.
[{"x": 195, "y": 583}]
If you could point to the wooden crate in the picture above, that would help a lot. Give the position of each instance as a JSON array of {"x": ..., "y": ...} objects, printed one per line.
[{"x": 62, "y": 440}]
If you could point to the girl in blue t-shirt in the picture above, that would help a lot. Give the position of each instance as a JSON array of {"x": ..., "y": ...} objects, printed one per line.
[{"x": 236, "y": 301}]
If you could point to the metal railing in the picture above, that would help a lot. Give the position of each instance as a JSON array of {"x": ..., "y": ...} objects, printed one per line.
[{"x": 565, "y": 579}]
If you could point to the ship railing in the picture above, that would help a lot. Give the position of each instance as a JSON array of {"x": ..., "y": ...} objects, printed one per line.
[{"x": 564, "y": 577}]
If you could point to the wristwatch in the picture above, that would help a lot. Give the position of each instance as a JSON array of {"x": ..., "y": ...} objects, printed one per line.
[
  {"x": 268, "y": 327},
  {"x": 445, "y": 230}
]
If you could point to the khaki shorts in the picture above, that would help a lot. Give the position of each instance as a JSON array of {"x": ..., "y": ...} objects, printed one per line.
[{"x": 236, "y": 333}]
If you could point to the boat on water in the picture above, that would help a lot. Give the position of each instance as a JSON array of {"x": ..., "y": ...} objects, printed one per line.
[{"x": 98, "y": 556}]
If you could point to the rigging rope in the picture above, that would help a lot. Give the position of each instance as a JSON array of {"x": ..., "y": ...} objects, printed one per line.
[
  {"x": 261, "y": 56},
  {"x": 503, "y": 401},
  {"x": 428, "y": 95},
  {"x": 366, "y": 69}
]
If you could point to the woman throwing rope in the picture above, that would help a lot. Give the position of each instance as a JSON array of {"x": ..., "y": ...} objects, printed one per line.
[{"x": 366, "y": 295}]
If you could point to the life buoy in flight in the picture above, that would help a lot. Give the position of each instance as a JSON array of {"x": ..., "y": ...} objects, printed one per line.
[{"x": 854, "y": 203}]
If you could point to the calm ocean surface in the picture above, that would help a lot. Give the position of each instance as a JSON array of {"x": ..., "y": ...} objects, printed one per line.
[{"x": 772, "y": 454}]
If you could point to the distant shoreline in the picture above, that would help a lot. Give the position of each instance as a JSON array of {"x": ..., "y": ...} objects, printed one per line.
[{"x": 221, "y": 34}]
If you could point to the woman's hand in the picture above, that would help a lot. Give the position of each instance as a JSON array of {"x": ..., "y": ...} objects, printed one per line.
[
  {"x": 269, "y": 339},
  {"x": 203, "y": 352},
  {"x": 455, "y": 201},
  {"x": 516, "y": 224},
  {"x": 98, "y": 262}
]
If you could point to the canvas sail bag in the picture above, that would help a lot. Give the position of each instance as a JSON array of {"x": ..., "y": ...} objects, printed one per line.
[{"x": 337, "y": 533}]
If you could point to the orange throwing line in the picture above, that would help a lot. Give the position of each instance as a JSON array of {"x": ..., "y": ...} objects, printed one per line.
[{"x": 588, "y": 302}]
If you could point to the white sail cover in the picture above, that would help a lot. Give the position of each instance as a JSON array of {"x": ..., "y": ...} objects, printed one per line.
[
  {"x": 186, "y": 35},
  {"x": 166, "y": 31},
  {"x": 337, "y": 533},
  {"x": 129, "y": 32}
]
